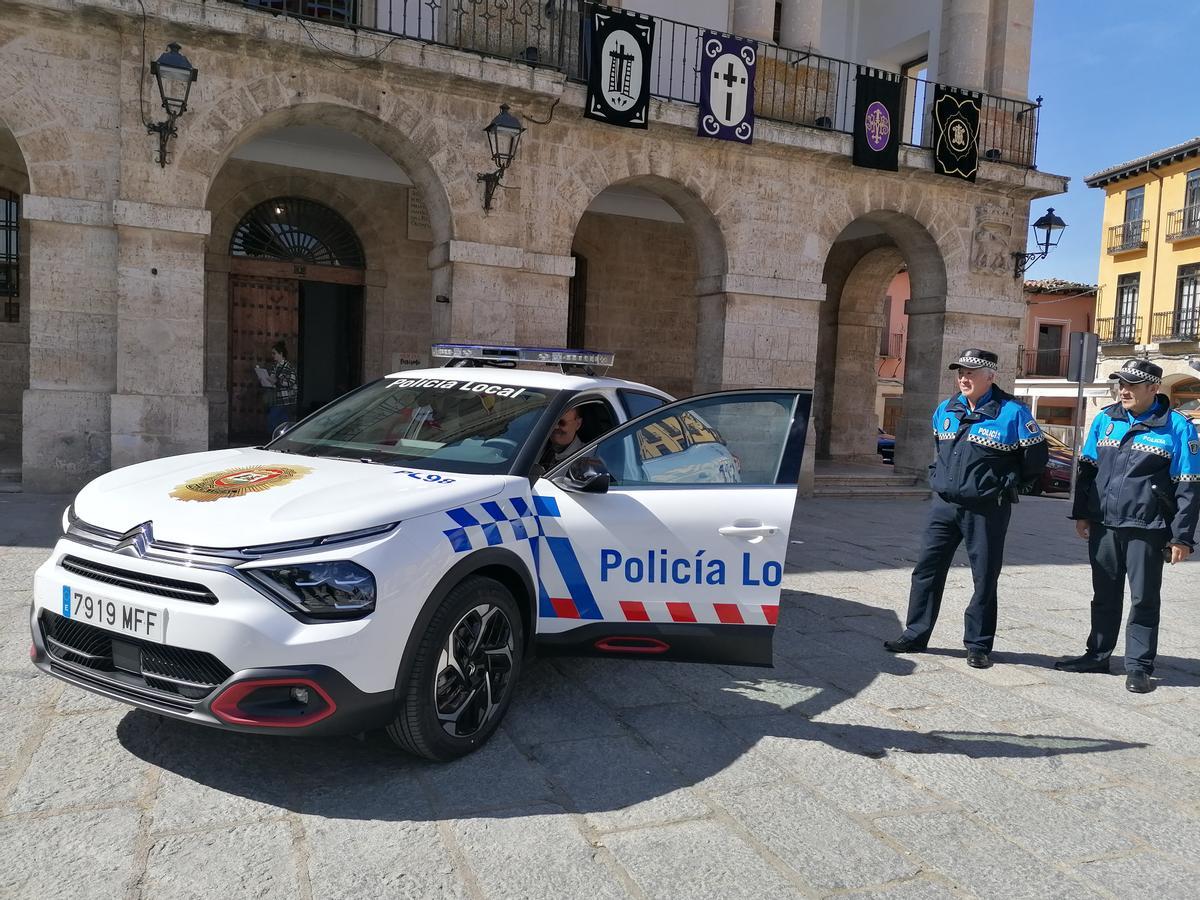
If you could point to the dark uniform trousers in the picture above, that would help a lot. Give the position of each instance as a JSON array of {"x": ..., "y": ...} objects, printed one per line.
[
  {"x": 1117, "y": 553},
  {"x": 983, "y": 527}
]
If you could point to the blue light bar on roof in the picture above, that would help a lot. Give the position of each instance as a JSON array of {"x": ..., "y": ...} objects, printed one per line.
[{"x": 554, "y": 356}]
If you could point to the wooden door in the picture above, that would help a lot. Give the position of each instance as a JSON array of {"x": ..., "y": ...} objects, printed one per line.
[{"x": 262, "y": 310}]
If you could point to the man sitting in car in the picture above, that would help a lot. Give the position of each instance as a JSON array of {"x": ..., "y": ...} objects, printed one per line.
[{"x": 564, "y": 439}]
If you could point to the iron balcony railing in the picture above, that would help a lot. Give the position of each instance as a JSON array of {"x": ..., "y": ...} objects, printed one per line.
[
  {"x": 1128, "y": 236},
  {"x": 892, "y": 346},
  {"x": 1183, "y": 223},
  {"x": 1119, "y": 330},
  {"x": 1042, "y": 364},
  {"x": 1179, "y": 325},
  {"x": 793, "y": 86}
]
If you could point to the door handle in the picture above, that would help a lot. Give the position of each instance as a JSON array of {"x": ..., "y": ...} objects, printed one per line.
[{"x": 746, "y": 530}]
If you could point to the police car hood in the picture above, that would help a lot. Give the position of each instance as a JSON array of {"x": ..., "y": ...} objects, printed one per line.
[{"x": 245, "y": 497}]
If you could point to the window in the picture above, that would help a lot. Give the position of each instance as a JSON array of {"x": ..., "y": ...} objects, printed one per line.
[
  {"x": 1127, "y": 298},
  {"x": 1187, "y": 301},
  {"x": 637, "y": 403},
  {"x": 1135, "y": 199},
  {"x": 913, "y": 98},
  {"x": 1191, "y": 203},
  {"x": 10, "y": 240},
  {"x": 292, "y": 229},
  {"x": 719, "y": 440}
]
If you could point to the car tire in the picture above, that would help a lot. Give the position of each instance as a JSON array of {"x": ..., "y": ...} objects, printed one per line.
[
  {"x": 463, "y": 674},
  {"x": 1036, "y": 490}
]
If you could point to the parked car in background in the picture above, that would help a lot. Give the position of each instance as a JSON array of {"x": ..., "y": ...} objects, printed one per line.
[
  {"x": 885, "y": 446},
  {"x": 1056, "y": 479}
]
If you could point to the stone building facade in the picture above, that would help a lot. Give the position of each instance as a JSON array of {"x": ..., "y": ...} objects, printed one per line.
[{"x": 702, "y": 264}]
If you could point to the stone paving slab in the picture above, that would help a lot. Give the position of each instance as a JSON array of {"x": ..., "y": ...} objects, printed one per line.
[{"x": 844, "y": 771}]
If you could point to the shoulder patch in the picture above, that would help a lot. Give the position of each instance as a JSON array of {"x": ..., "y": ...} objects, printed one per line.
[
  {"x": 1193, "y": 446},
  {"x": 946, "y": 424},
  {"x": 1109, "y": 429},
  {"x": 1031, "y": 426}
]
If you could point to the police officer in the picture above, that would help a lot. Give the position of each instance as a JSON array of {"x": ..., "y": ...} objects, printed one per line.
[
  {"x": 1137, "y": 498},
  {"x": 988, "y": 448}
]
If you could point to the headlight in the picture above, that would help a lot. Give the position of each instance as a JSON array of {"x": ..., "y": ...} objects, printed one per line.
[
  {"x": 326, "y": 590},
  {"x": 68, "y": 517}
]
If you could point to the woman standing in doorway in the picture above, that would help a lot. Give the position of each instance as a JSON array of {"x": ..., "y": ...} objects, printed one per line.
[{"x": 283, "y": 379}]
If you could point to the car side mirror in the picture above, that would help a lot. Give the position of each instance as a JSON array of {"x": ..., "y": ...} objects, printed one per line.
[{"x": 586, "y": 475}]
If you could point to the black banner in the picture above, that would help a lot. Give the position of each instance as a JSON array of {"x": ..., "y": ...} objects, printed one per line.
[
  {"x": 956, "y": 132},
  {"x": 876, "y": 119},
  {"x": 618, "y": 90}
]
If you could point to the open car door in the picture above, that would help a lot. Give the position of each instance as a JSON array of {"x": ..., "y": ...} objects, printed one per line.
[{"x": 666, "y": 537}]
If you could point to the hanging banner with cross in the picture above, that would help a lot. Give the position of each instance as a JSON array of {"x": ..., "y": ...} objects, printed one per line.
[
  {"x": 727, "y": 87},
  {"x": 618, "y": 88},
  {"x": 876, "y": 119},
  {"x": 956, "y": 132}
]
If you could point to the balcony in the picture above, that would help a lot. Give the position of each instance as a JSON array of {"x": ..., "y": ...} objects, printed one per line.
[
  {"x": 1119, "y": 330},
  {"x": 1180, "y": 325},
  {"x": 1042, "y": 363},
  {"x": 1128, "y": 236},
  {"x": 893, "y": 346},
  {"x": 793, "y": 86},
  {"x": 1183, "y": 223}
]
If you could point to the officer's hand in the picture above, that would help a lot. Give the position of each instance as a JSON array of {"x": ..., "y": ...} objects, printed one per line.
[
  {"x": 1083, "y": 528},
  {"x": 1179, "y": 553}
]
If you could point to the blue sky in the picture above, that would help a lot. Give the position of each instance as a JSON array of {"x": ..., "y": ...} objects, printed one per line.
[{"x": 1119, "y": 80}]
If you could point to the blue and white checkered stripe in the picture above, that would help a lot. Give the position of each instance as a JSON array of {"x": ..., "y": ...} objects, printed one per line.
[{"x": 491, "y": 523}]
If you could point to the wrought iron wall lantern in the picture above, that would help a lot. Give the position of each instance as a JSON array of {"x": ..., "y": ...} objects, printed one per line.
[
  {"x": 175, "y": 77},
  {"x": 504, "y": 137},
  {"x": 1047, "y": 231}
]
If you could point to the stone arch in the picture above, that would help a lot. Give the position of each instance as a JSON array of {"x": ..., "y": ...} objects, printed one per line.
[
  {"x": 861, "y": 262},
  {"x": 399, "y": 129},
  {"x": 680, "y": 263},
  {"x": 39, "y": 135}
]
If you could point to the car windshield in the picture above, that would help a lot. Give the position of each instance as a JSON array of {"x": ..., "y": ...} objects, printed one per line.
[{"x": 455, "y": 424}]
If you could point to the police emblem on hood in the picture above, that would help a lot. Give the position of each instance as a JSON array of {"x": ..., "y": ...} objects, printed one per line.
[{"x": 237, "y": 482}]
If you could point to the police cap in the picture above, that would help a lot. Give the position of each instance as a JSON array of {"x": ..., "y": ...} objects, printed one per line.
[
  {"x": 1139, "y": 371},
  {"x": 974, "y": 358}
]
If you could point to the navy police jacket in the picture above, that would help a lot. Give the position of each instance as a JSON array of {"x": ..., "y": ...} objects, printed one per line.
[
  {"x": 1141, "y": 474},
  {"x": 988, "y": 453}
]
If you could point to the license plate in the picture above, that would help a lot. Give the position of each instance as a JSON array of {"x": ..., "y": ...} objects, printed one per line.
[{"x": 114, "y": 615}]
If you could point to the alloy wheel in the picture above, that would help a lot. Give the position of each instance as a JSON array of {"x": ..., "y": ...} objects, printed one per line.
[{"x": 474, "y": 670}]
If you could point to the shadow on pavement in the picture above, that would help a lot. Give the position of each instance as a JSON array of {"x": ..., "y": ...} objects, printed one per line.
[{"x": 594, "y": 736}]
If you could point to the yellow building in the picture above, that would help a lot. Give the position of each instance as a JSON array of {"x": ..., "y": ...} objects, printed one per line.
[{"x": 1149, "y": 303}]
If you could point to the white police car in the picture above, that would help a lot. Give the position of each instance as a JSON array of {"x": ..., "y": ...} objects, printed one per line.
[{"x": 395, "y": 557}]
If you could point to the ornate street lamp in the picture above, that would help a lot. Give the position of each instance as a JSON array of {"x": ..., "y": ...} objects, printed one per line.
[
  {"x": 1047, "y": 230},
  {"x": 175, "y": 77},
  {"x": 504, "y": 137}
]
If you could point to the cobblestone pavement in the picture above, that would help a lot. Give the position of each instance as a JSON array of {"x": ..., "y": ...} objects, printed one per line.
[{"x": 843, "y": 771}]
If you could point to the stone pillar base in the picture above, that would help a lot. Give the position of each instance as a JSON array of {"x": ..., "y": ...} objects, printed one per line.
[
  {"x": 149, "y": 427},
  {"x": 66, "y": 439}
]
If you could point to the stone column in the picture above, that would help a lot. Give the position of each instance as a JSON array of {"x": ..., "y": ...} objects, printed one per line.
[
  {"x": 853, "y": 436},
  {"x": 962, "y": 58},
  {"x": 800, "y": 25},
  {"x": 925, "y": 385},
  {"x": 757, "y": 331},
  {"x": 499, "y": 295},
  {"x": 1009, "y": 49},
  {"x": 754, "y": 19},
  {"x": 72, "y": 342},
  {"x": 159, "y": 407}
]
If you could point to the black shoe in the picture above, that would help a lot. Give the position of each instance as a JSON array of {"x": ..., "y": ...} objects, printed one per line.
[
  {"x": 905, "y": 645},
  {"x": 1138, "y": 682},
  {"x": 978, "y": 659},
  {"x": 1085, "y": 663}
]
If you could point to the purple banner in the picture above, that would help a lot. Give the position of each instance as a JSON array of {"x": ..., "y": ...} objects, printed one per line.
[{"x": 727, "y": 67}]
